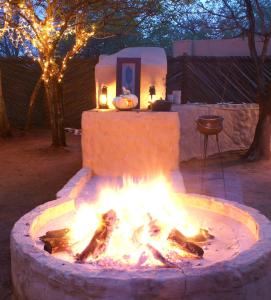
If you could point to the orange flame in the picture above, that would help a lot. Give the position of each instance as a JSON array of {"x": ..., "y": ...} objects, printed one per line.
[{"x": 137, "y": 205}]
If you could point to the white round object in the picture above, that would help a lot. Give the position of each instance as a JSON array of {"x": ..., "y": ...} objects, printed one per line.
[{"x": 125, "y": 102}]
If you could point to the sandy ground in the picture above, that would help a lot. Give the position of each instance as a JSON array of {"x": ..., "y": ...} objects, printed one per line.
[{"x": 31, "y": 173}]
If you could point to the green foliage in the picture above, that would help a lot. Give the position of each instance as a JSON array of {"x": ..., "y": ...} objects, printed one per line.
[
  {"x": 160, "y": 22},
  {"x": 158, "y": 28}
]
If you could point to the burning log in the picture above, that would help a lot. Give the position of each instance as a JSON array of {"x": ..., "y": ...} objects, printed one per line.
[
  {"x": 154, "y": 227},
  {"x": 100, "y": 239},
  {"x": 159, "y": 256},
  {"x": 56, "y": 245},
  {"x": 60, "y": 233},
  {"x": 180, "y": 240},
  {"x": 56, "y": 240},
  {"x": 202, "y": 236}
]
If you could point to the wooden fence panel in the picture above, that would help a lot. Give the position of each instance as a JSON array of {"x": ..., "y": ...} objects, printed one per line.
[
  {"x": 214, "y": 79},
  {"x": 20, "y": 77},
  {"x": 79, "y": 90},
  {"x": 201, "y": 79}
]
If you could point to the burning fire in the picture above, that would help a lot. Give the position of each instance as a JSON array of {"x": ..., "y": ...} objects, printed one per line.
[{"x": 138, "y": 219}]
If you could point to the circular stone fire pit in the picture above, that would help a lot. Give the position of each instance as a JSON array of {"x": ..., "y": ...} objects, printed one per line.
[{"x": 245, "y": 275}]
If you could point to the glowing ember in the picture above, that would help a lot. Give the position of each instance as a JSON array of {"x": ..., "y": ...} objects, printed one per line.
[{"x": 144, "y": 233}]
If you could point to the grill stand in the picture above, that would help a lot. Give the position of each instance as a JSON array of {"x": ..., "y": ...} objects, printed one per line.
[{"x": 204, "y": 162}]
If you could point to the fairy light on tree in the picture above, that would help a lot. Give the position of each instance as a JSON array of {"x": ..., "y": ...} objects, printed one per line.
[
  {"x": 41, "y": 26},
  {"x": 3, "y": 18}
]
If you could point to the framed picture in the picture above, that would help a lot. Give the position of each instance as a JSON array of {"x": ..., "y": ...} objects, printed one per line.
[{"x": 128, "y": 76}]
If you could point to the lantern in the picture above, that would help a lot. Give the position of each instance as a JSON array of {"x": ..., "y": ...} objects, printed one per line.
[
  {"x": 152, "y": 92},
  {"x": 103, "y": 98}
]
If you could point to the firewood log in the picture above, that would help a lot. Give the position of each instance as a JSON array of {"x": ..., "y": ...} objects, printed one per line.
[
  {"x": 180, "y": 240},
  {"x": 99, "y": 241},
  {"x": 56, "y": 240},
  {"x": 159, "y": 256},
  {"x": 154, "y": 227},
  {"x": 53, "y": 245},
  {"x": 60, "y": 233},
  {"x": 201, "y": 237},
  {"x": 207, "y": 234},
  {"x": 57, "y": 233}
]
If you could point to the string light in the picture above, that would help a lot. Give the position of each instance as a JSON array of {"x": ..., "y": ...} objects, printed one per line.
[
  {"x": 5, "y": 17},
  {"x": 41, "y": 35}
]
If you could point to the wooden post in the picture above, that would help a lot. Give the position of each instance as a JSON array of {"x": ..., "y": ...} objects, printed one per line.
[
  {"x": 184, "y": 81},
  {"x": 4, "y": 123}
]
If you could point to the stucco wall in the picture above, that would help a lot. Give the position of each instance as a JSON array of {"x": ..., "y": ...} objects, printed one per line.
[
  {"x": 239, "y": 126},
  {"x": 153, "y": 72},
  {"x": 116, "y": 143},
  {"x": 226, "y": 47}
]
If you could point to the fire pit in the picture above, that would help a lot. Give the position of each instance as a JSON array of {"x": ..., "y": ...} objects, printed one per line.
[
  {"x": 140, "y": 238},
  {"x": 235, "y": 264}
]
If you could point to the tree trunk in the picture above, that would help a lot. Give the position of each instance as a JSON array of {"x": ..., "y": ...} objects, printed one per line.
[
  {"x": 260, "y": 147},
  {"x": 32, "y": 102},
  {"x": 56, "y": 111},
  {"x": 4, "y": 123}
]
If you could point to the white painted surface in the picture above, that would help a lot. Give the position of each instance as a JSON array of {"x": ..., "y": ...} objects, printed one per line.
[
  {"x": 153, "y": 72},
  {"x": 132, "y": 143},
  {"x": 38, "y": 275},
  {"x": 226, "y": 47},
  {"x": 74, "y": 186},
  {"x": 239, "y": 126}
]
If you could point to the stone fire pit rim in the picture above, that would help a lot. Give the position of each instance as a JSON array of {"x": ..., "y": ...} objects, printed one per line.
[{"x": 252, "y": 261}]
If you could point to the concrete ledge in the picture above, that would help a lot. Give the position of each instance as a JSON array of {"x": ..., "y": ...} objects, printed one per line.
[{"x": 74, "y": 186}]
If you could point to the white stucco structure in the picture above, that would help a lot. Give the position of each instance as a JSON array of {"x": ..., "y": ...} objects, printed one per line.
[
  {"x": 225, "y": 47},
  {"x": 239, "y": 125},
  {"x": 117, "y": 143},
  {"x": 153, "y": 72}
]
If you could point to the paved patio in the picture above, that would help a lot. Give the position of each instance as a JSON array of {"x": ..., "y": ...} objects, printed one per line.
[{"x": 233, "y": 179}]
